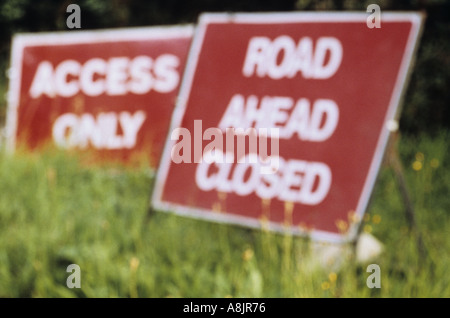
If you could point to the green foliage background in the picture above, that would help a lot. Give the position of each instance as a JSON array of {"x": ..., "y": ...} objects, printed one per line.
[{"x": 56, "y": 211}]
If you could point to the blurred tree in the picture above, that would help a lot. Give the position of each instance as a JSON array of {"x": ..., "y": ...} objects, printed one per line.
[{"x": 426, "y": 102}]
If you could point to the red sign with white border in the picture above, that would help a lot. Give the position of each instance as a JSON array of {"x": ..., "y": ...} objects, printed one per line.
[
  {"x": 111, "y": 92},
  {"x": 326, "y": 81}
]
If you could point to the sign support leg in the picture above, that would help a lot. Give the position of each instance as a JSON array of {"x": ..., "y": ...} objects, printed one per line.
[{"x": 395, "y": 163}]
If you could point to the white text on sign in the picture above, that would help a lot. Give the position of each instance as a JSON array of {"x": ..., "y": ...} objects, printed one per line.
[
  {"x": 283, "y": 57},
  {"x": 73, "y": 131},
  {"x": 115, "y": 76},
  {"x": 310, "y": 121},
  {"x": 298, "y": 181},
  {"x": 295, "y": 180}
]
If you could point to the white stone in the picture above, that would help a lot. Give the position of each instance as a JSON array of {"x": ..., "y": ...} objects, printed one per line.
[{"x": 367, "y": 248}]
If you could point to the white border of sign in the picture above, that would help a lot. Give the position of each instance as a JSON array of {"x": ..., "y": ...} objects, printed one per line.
[
  {"x": 254, "y": 18},
  {"x": 22, "y": 40}
]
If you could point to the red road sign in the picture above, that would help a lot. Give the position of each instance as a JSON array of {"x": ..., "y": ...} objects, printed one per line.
[
  {"x": 111, "y": 91},
  {"x": 327, "y": 81}
]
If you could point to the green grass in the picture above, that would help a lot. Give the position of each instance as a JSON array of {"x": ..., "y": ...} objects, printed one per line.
[{"x": 54, "y": 211}]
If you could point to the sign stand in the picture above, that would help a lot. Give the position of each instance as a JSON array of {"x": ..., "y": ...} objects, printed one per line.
[
  {"x": 393, "y": 161},
  {"x": 327, "y": 254}
]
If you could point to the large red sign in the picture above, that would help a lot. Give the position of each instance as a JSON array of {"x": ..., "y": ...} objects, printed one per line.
[
  {"x": 326, "y": 82},
  {"x": 111, "y": 92}
]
